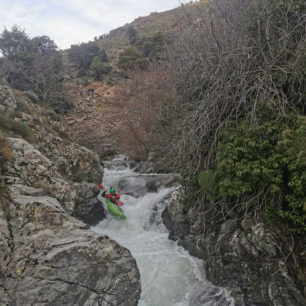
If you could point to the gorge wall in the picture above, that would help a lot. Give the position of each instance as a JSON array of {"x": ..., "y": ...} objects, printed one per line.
[
  {"x": 47, "y": 255},
  {"x": 254, "y": 261}
]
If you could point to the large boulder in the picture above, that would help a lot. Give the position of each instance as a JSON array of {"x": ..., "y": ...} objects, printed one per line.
[
  {"x": 173, "y": 217},
  {"x": 79, "y": 164},
  {"x": 50, "y": 258},
  {"x": 139, "y": 186},
  {"x": 36, "y": 170},
  {"x": 88, "y": 208}
]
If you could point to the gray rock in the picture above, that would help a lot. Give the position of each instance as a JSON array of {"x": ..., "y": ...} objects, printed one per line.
[
  {"x": 151, "y": 186},
  {"x": 48, "y": 257},
  {"x": 133, "y": 186},
  {"x": 246, "y": 259},
  {"x": 228, "y": 227},
  {"x": 88, "y": 208},
  {"x": 247, "y": 224},
  {"x": 120, "y": 157},
  {"x": 26, "y": 190},
  {"x": 56, "y": 260},
  {"x": 173, "y": 217},
  {"x": 139, "y": 186}
]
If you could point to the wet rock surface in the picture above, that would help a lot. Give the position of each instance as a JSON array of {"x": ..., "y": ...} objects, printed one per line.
[
  {"x": 88, "y": 208},
  {"x": 247, "y": 257}
]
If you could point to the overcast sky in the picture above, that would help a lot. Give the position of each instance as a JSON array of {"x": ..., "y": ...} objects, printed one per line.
[{"x": 73, "y": 21}]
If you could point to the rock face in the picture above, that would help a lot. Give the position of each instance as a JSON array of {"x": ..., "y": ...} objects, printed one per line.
[
  {"x": 88, "y": 208},
  {"x": 47, "y": 256},
  {"x": 247, "y": 257},
  {"x": 138, "y": 186},
  {"x": 50, "y": 258},
  {"x": 35, "y": 169}
]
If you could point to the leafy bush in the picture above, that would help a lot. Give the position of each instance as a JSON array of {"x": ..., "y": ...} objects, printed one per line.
[
  {"x": 152, "y": 45},
  {"x": 83, "y": 54},
  {"x": 145, "y": 49},
  {"x": 31, "y": 64},
  {"x": 98, "y": 69},
  {"x": 293, "y": 147},
  {"x": 208, "y": 181},
  {"x": 131, "y": 58},
  {"x": 131, "y": 32},
  {"x": 265, "y": 164}
]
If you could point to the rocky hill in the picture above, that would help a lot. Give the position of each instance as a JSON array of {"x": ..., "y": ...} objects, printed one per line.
[
  {"x": 48, "y": 185},
  {"x": 168, "y": 22},
  {"x": 94, "y": 120}
]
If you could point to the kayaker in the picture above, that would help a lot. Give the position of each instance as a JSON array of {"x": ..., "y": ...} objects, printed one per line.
[{"x": 112, "y": 195}]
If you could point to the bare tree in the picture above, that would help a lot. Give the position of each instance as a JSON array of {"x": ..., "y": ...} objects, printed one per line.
[
  {"x": 235, "y": 55},
  {"x": 146, "y": 99}
]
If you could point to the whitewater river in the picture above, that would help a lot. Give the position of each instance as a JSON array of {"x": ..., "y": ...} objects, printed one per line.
[{"x": 169, "y": 275}]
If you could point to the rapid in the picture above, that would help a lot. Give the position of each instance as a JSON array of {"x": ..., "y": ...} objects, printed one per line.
[{"x": 169, "y": 275}]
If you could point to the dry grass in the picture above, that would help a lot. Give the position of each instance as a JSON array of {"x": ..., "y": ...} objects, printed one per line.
[{"x": 6, "y": 153}]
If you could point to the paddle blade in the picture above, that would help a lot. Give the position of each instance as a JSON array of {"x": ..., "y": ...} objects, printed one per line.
[{"x": 119, "y": 203}]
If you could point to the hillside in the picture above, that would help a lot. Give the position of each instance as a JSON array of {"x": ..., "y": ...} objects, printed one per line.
[
  {"x": 94, "y": 120},
  {"x": 168, "y": 22}
]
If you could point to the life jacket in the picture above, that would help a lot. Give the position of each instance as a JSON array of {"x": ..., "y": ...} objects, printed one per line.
[{"x": 113, "y": 199}]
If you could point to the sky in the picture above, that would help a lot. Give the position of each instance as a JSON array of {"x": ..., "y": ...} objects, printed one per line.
[{"x": 74, "y": 21}]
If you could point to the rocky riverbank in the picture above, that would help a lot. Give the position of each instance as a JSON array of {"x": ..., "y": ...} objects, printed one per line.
[
  {"x": 47, "y": 255},
  {"x": 255, "y": 262}
]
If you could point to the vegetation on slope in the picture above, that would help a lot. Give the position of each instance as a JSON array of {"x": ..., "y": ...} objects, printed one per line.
[
  {"x": 33, "y": 64},
  {"x": 238, "y": 73}
]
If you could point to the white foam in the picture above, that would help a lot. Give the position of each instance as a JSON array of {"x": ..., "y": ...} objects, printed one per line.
[{"x": 169, "y": 275}]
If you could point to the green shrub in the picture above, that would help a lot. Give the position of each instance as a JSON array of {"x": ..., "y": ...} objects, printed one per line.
[
  {"x": 208, "y": 181},
  {"x": 190, "y": 197},
  {"x": 83, "y": 54},
  {"x": 132, "y": 34},
  {"x": 152, "y": 45},
  {"x": 98, "y": 69},
  {"x": 268, "y": 160},
  {"x": 293, "y": 147},
  {"x": 32, "y": 65},
  {"x": 131, "y": 58}
]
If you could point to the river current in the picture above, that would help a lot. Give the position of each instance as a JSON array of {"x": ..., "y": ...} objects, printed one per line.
[{"x": 169, "y": 275}]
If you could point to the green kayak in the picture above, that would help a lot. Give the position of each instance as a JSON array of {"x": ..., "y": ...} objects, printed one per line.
[{"x": 115, "y": 210}]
